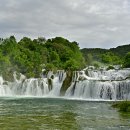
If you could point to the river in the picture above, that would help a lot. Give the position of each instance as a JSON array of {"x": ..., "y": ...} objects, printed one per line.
[{"x": 29, "y": 113}]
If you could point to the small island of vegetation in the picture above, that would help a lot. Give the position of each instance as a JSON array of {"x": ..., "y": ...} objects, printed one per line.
[{"x": 123, "y": 106}]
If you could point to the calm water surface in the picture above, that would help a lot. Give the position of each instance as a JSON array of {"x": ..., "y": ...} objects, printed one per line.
[{"x": 59, "y": 114}]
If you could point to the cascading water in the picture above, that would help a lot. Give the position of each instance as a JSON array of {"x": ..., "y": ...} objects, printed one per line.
[
  {"x": 86, "y": 84},
  {"x": 4, "y": 88},
  {"x": 109, "y": 75},
  {"x": 49, "y": 86},
  {"x": 115, "y": 90},
  {"x": 101, "y": 84}
]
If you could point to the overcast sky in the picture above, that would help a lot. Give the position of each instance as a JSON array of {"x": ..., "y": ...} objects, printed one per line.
[{"x": 92, "y": 23}]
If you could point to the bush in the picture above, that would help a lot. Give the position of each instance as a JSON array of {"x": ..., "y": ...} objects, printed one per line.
[
  {"x": 49, "y": 66},
  {"x": 96, "y": 65},
  {"x": 123, "y": 106},
  {"x": 71, "y": 65},
  {"x": 28, "y": 56},
  {"x": 127, "y": 60},
  {"x": 110, "y": 67}
]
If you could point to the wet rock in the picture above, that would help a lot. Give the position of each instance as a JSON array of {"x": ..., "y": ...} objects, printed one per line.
[{"x": 66, "y": 83}]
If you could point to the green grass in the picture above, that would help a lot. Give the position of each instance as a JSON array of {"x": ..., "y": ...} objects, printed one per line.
[{"x": 123, "y": 106}]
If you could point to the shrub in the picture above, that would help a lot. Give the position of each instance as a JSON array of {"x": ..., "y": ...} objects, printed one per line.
[{"x": 110, "y": 67}]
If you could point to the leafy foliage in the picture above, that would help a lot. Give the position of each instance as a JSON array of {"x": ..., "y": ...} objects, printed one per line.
[
  {"x": 110, "y": 58},
  {"x": 29, "y": 57},
  {"x": 106, "y": 56},
  {"x": 110, "y": 67},
  {"x": 123, "y": 106},
  {"x": 127, "y": 60}
]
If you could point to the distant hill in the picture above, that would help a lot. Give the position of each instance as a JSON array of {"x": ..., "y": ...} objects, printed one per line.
[
  {"x": 121, "y": 50},
  {"x": 95, "y": 52},
  {"x": 98, "y": 53}
]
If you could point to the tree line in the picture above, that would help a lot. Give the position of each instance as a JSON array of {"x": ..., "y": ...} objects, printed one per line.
[
  {"x": 29, "y": 57},
  {"x": 114, "y": 56}
]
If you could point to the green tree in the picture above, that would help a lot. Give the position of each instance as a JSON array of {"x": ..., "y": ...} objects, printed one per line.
[
  {"x": 28, "y": 56},
  {"x": 89, "y": 59},
  {"x": 71, "y": 65},
  {"x": 127, "y": 60}
]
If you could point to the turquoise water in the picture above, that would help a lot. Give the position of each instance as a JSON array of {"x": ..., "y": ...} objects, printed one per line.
[{"x": 59, "y": 114}]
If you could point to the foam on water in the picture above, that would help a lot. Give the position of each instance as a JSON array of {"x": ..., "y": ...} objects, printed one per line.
[{"x": 86, "y": 85}]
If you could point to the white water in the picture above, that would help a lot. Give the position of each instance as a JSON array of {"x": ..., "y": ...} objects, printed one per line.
[
  {"x": 108, "y": 85},
  {"x": 96, "y": 85},
  {"x": 33, "y": 86},
  {"x": 110, "y": 74}
]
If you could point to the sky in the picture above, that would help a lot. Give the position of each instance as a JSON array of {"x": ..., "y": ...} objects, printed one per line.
[{"x": 92, "y": 23}]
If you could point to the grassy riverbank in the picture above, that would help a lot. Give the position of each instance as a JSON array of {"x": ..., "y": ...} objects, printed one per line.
[{"x": 123, "y": 106}]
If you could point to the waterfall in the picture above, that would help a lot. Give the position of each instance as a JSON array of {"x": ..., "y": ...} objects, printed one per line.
[
  {"x": 100, "y": 84},
  {"x": 34, "y": 86},
  {"x": 4, "y": 88},
  {"x": 115, "y": 90},
  {"x": 110, "y": 74},
  {"x": 86, "y": 84}
]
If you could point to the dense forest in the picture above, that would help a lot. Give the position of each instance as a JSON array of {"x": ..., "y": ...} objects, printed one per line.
[
  {"x": 29, "y": 57},
  {"x": 112, "y": 56}
]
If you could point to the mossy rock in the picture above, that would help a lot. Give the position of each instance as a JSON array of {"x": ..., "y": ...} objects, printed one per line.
[
  {"x": 66, "y": 83},
  {"x": 5, "y": 83},
  {"x": 110, "y": 67},
  {"x": 18, "y": 75},
  {"x": 8, "y": 76},
  {"x": 52, "y": 76},
  {"x": 86, "y": 72},
  {"x": 50, "y": 84},
  {"x": 82, "y": 78}
]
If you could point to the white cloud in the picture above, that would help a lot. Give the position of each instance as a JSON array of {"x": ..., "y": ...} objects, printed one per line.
[{"x": 93, "y": 23}]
